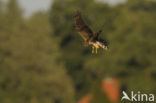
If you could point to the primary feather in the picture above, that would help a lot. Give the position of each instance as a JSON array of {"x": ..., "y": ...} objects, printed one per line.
[{"x": 82, "y": 28}]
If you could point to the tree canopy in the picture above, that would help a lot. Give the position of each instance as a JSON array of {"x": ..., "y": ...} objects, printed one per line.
[{"x": 43, "y": 60}]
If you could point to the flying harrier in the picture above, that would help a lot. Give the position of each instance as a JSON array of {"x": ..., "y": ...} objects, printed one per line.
[{"x": 90, "y": 38}]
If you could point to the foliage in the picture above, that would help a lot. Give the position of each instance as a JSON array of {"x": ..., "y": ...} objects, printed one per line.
[
  {"x": 130, "y": 30},
  {"x": 43, "y": 60},
  {"x": 29, "y": 70}
]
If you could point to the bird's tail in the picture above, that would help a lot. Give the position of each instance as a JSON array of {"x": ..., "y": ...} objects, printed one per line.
[{"x": 103, "y": 45}]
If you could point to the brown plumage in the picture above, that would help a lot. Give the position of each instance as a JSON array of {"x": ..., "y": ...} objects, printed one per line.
[
  {"x": 82, "y": 28},
  {"x": 87, "y": 34}
]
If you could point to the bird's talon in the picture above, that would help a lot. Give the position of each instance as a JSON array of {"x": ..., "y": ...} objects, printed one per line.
[
  {"x": 92, "y": 50},
  {"x": 96, "y": 51}
]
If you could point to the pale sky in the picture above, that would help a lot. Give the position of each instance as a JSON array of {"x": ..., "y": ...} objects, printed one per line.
[{"x": 31, "y": 6}]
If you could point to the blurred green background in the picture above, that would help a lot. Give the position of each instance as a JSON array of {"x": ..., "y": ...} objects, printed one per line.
[{"x": 43, "y": 60}]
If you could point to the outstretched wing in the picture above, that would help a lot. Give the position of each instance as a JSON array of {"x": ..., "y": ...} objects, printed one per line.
[{"x": 82, "y": 28}]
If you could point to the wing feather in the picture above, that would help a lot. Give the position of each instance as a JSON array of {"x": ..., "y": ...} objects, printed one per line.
[{"x": 82, "y": 28}]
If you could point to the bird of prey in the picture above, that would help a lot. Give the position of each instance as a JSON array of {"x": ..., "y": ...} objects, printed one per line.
[{"x": 90, "y": 38}]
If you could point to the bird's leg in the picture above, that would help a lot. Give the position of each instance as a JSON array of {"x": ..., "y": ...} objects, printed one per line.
[
  {"x": 96, "y": 50},
  {"x": 92, "y": 50}
]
